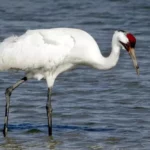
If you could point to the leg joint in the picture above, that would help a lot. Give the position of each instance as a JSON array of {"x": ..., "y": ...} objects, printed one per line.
[
  {"x": 49, "y": 108},
  {"x": 8, "y": 91},
  {"x": 24, "y": 78}
]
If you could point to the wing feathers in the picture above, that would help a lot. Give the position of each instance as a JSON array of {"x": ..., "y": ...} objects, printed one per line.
[
  {"x": 58, "y": 39},
  {"x": 36, "y": 49}
]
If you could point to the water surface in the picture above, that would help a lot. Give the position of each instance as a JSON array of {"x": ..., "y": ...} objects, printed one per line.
[{"x": 95, "y": 110}]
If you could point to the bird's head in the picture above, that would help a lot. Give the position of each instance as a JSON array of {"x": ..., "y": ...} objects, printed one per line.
[{"x": 127, "y": 42}]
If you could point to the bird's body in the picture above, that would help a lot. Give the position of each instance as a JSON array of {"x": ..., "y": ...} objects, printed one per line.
[{"x": 45, "y": 53}]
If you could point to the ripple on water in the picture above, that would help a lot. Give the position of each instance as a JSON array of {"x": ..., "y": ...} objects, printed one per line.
[{"x": 91, "y": 109}]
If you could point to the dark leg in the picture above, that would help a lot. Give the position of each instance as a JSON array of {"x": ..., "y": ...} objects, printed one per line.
[
  {"x": 49, "y": 112},
  {"x": 8, "y": 94}
]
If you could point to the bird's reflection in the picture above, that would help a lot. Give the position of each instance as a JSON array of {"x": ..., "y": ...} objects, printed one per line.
[
  {"x": 17, "y": 143},
  {"x": 10, "y": 143}
]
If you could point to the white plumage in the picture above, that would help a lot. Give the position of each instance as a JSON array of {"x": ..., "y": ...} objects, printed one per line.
[{"x": 46, "y": 53}]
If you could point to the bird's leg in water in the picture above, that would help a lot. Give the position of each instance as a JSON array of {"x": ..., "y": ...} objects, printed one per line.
[
  {"x": 8, "y": 94},
  {"x": 49, "y": 111}
]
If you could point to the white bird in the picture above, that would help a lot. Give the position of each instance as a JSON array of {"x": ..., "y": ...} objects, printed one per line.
[{"x": 45, "y": 53}]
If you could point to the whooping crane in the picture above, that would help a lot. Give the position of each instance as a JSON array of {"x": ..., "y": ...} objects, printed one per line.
[{"x": 45, "y": 53}]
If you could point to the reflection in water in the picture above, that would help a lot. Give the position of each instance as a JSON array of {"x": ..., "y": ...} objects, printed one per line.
[
  {"x": 11, "y": 143},
  {"x": 52, "y": 143},
  {"x": 36, "y": 137},
  {"x": 19, "y": 144}
]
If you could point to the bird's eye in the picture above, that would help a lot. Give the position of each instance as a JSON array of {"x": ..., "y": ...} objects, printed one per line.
[{"x": 127, "y": 46}]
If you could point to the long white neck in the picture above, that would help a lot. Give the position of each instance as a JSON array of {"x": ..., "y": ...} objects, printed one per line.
[{"x": 110, "y": 61}]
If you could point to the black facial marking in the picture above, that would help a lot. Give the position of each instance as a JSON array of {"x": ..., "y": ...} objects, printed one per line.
[
  {"x": 126, "y": 46},
  {"x": 121, "y": 31},
  {"x": 132, "y": 44}
]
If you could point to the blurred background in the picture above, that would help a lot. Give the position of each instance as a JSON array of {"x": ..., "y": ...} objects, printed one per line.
[{"x": 92, "y": 110}]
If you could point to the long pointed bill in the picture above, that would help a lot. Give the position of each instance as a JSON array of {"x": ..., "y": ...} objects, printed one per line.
[{"x": 133, "y": 56}]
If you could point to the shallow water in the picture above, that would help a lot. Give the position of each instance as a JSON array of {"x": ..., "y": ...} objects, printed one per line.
[{"x": 95, "y": 110}]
